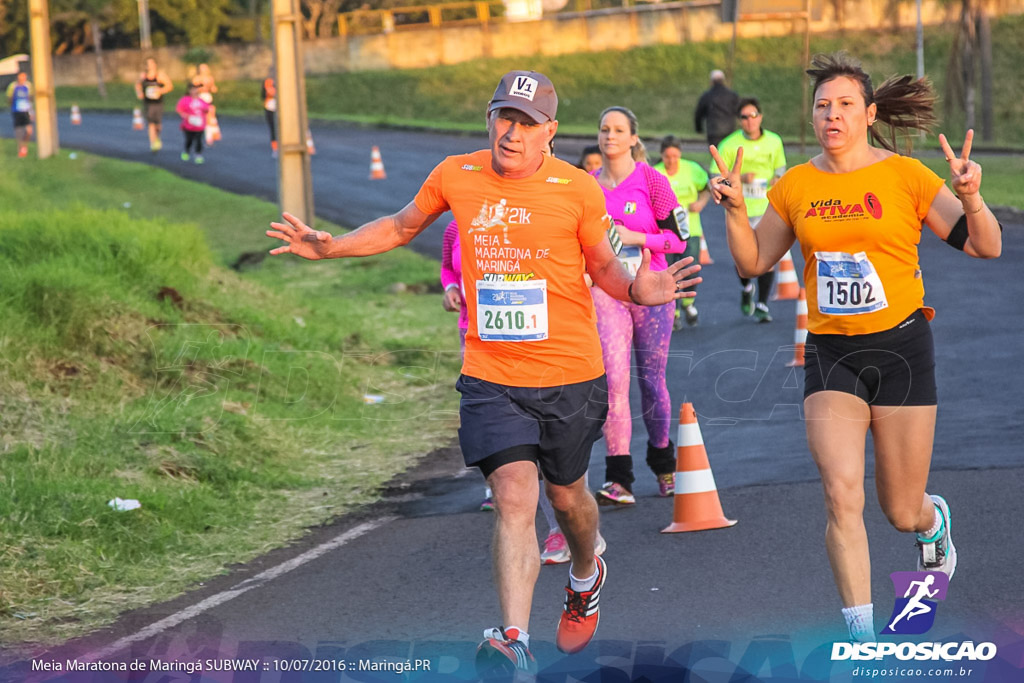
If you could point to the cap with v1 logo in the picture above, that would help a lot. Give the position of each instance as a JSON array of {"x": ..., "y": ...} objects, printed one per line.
[
  {"x": 530, "y": 92},
  {"x": 523, "y": 86}
]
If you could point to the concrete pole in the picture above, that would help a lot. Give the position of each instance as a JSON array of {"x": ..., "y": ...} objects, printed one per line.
[
  {"x": 294, "y": 178},
  {"x": 920, "y": 52},
  {"x": 920, "y": 42},
  {"x": 42, "y": 79},
  {"x": 804, "y": 107},
  {"x": 144, "y": 40}
]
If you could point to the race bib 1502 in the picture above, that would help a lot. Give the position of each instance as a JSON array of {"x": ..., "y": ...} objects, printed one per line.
[{"x": 848, "y": 284}]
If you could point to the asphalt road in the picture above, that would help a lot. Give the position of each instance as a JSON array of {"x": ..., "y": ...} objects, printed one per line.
[{"x": 753, "y": 602}]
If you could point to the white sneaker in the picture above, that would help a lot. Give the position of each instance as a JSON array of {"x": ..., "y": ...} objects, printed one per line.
[{"x": 940, "y": 554}]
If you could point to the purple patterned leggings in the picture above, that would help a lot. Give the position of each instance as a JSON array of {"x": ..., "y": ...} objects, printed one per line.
[{"x": 649, "y": 328}]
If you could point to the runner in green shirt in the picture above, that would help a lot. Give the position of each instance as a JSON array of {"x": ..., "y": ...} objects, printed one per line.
[
  {"x": 764, "y": 162},
  {"x": 689, "y": 182}
]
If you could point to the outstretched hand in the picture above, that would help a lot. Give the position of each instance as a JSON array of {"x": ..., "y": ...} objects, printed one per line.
[
  {"x": 300, "y": 239},
  {"x": 727, "y": 189},
  {"x": 452, "y": 300},
  {"x": 653, "y": 288},
  {"x": 966, "y": 174}
]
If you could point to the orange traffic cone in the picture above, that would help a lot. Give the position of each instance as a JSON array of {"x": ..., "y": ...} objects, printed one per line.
[
  {"x": 311, "y": 148},
  {"x": 705, "y": 256},
  {"x": 376, "y": 165},
  {"x": 800, "y": 337},
  {"x": 696, "y": 506},
  {"x": 212, "y": 131},
  {"x": 787, "y": 285},
  {"x": 137, "y": 123},
  {"x": 76, "y": 115}
]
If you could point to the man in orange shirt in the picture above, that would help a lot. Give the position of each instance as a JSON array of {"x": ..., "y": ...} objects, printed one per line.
[{"x": 533, "y": 387}]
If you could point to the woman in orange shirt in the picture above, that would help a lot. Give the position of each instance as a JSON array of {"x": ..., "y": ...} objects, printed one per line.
[{"x": 857, "y": 210}]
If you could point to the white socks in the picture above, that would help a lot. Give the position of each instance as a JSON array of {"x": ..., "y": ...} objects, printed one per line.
[
  {"x": 932, "y": 534},
  {"x": 860, "y": 620},
  {"x": 581, "y": 585}
]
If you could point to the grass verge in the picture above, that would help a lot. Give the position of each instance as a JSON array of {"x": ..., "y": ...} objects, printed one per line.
[
  {"x": 660, "y": 83},
  {"x": 134, "y": 364}
]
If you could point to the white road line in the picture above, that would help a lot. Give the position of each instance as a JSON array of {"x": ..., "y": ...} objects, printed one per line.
[{"x": 233, "y": 592}]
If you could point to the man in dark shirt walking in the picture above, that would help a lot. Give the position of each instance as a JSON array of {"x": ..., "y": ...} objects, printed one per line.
[{"x": 716, "y": 110}]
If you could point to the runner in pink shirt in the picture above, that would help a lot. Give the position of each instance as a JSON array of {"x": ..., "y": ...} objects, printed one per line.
[
  {"x": 642, "y": 206},
  {"x": 193, "y": 111}
]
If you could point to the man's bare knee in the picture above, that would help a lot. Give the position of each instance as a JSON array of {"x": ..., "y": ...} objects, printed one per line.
[
  {"x": 565, "y": 498},
  {"x": 515, "y": 490}
]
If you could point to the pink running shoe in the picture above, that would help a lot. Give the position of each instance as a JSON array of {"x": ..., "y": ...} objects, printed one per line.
[
  {"x": 556, "y": 550},
  {"x": 613, "y": 493},
  {"x": 666, "y": 484}
]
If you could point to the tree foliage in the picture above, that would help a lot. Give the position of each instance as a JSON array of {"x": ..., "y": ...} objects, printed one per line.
[
  {"x": 194, "y": 23},
  {"x": 73, "y": 21}
]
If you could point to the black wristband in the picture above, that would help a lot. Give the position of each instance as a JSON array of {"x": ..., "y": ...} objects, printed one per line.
[{"x": 629, "y": 291}]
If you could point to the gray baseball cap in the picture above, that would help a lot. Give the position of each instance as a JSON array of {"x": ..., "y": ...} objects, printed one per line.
[{"x": 528, "y": 91}]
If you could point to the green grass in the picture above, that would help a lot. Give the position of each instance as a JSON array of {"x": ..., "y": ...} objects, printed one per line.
[
  {"x": 134, "y": 364},
  {"x": 660, "y": 83},
  {"x": 1001, "y": 177}
]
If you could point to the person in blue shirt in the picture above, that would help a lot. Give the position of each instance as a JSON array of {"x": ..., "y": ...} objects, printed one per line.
[{"x": 19, "y": 94}]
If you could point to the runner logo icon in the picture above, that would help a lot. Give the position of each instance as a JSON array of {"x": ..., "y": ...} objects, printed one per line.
[
  {"x": 916, "y": 596},
  {"x": 874, "y": 206}
]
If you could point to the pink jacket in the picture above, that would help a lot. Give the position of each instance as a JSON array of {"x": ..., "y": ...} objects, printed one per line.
[
  {"x": 451, "y": 268},
  {"x": 192, "y": 111}
]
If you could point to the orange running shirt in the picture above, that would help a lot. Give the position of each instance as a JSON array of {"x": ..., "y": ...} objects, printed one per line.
[
  {"x": 859, "y": 233},
  {"x": 531, "y": 316}
]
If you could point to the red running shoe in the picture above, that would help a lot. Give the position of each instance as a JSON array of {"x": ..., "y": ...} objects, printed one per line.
[
  {"x": 502, "y": 656},
  {"x": 581, "y": 614}
]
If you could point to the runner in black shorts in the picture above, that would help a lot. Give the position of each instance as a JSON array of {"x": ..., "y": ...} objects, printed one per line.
[
  {"x": 858, "y": 210},
  {"x": 532, "y": 377},
  {"x": 151, "y": 87}
]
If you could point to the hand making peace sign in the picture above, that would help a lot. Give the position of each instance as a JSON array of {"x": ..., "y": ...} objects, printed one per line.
[
  {"x": 729, "y": 185},
  {"x": 966, "y": 173}
]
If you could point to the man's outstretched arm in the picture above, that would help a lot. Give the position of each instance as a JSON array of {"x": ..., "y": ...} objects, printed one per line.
[{"x": 376, "y": 237}]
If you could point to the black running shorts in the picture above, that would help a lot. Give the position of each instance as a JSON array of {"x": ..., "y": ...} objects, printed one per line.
[
  {"x": 154, "y": 112},
  {"x": 562, "y": 423},
  {"x": 895, "y": 367}
]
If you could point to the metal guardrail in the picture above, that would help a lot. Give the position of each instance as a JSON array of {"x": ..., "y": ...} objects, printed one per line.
[{"x": 418, "y": 16}]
